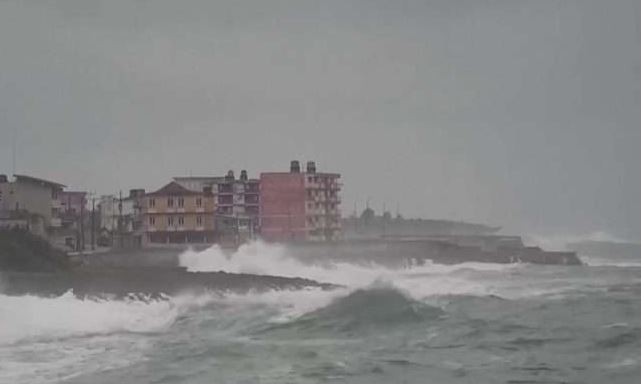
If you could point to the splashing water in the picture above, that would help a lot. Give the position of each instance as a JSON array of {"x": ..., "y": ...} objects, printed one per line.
[
  {"x": 275, "y": 259},
  {"x": 383, "y": 325},
  {"x": 28, "y": 317}
]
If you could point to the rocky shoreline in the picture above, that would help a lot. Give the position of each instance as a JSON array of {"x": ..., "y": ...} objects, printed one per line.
[
  {"x": 147, "y": 281},
  {"x": 29, "y": 265}
]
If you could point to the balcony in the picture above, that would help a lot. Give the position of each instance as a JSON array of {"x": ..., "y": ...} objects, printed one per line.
[{"x": 225, "y": 189}]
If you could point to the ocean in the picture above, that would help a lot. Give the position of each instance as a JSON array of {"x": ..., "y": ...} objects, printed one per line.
[{"x": 465, "y": 323}]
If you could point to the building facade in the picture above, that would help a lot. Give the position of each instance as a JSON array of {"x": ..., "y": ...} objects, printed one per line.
[
  {"x": 75, "y": 221},
  {"x": 238, "y": 207},
  {"x": 33, "y": 199},
  {"x": 177, "y": 215},
  {"x": 300, "y": 206},
  {"x": 121, "y": 219}
]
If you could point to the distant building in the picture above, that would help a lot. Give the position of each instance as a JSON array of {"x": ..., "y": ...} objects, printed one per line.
[
  {"x": 369, "y": 225},
  {"x": 116, "y": 214},
  {"x": 177, "y": 215},
  {"x": 72, "y": 202},
  {"x": 299, "y": 205},
  {"x": 121, "y": 219},
  {"x": 32, "y": 199},
  {"x": 237, "y": 207},
  {"x": 74, "y": 217}
]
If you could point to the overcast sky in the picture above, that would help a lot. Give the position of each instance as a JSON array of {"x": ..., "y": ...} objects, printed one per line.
[{"x": 525, "y": 114}]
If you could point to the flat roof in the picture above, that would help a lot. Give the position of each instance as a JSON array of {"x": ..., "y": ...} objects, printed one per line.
[
  {"x": 209, "y": 178},
  {"x": 302, "y": 173}
]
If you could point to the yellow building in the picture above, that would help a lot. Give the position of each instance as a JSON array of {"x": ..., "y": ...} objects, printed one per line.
[{"x": 177, "y": 215}]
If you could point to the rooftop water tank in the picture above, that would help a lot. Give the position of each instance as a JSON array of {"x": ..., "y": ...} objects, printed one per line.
[
  {"x": 311, "y": 167},
  {"x": 294, "y": 166}
]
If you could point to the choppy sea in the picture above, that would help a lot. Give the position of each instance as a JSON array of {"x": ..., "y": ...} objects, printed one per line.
[{"x": 466, "y": 323}]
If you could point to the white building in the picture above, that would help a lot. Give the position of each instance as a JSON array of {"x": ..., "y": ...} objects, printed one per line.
[{"x": 114, "y": 210}]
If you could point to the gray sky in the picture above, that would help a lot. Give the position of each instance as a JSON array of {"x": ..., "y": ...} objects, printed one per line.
[{"x": 518, "y": 113}]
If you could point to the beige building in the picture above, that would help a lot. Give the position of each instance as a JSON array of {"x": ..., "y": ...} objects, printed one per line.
[
  {"x": 32, "y": 198},
  {"x": 177, "y": 215}
]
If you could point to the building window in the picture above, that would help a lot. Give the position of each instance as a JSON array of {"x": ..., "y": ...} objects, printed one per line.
[
  {"x": 199, "y": 220},
  {"x": 152, "y": 203},
  {"x": 170, "y": 220},
  {"x": 152, "y": 221},
  {"x": 170, "y": 202},
  {"x": 181, "y": 202},
  {"x": 199, "y": 202},
  {"x": 181, "y": 221}
]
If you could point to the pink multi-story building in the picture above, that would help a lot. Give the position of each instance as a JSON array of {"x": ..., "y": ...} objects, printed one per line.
[{"x": 297, "y": 205}]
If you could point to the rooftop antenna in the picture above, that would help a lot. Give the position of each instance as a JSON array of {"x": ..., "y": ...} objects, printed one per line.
[{"x": 13, "y": 150}]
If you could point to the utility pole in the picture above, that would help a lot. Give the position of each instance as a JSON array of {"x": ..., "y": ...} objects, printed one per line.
[
  {"x": 384, "y": 218},
  {"x": 120, "y": 240},
  {"x": 93, "y": 222},
  {"x": 82, "y": 223},
  {"x": 113, "y": 218},
  {"x": 13, "y": 153}
]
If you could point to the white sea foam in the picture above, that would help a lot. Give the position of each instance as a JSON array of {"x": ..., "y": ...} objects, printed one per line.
[
  {"x": 273, "y": 259},
  {"x": 31, "y": 317},
  {"x": 595, "y": 261},
  {"x": 561, "y": 241}
]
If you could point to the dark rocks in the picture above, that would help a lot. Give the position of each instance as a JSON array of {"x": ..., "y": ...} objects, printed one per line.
[
  {"x": 22, "y": 251},
  {"x": 151, "y": 281}
]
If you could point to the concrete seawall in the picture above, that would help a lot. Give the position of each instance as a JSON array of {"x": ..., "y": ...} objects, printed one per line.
[{"x": 397, "y": 252}]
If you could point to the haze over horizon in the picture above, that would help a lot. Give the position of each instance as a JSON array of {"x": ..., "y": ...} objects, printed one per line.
[{"x": 523, "y": 114}]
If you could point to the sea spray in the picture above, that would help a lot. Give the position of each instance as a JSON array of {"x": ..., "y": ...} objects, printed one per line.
[
  {"x": 275, "y": 259},
  {"x": 562, "y": 242},
  {"x": 423, "y": 318},
  {"x": 36, "y": 318}
]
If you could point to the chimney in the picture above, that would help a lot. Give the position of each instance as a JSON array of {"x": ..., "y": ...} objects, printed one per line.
[
  {"x": 134, "y": 193},
  {"x": 243, "y": 175},
  {"x": 230, "y": 176},
  {"x": 294, "y": 166},
  {"x": 311, "y": 167}
]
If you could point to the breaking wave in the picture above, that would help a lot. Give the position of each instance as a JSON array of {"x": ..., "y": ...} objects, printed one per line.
[
  {"x": 37, "y": 318},
  {"x": 273, "y": 259},
  {"x": 374, "y": 307},
  {"x": 594, "y": 261}
]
